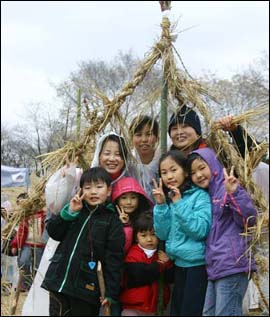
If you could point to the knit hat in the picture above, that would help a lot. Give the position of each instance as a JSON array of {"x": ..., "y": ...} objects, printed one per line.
[{"x": 187, "y": 116}]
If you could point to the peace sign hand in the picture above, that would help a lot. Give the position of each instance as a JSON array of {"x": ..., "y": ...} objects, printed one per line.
[
  {"x": 231, "y": 182},
  {"x": 158, "y": 192},
  {"x": 124, "y": 217},
  {"x": 76, "y": 202}
]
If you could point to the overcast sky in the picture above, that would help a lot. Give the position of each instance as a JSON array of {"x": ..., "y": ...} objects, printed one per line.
[{"x": 43, "y": 41}]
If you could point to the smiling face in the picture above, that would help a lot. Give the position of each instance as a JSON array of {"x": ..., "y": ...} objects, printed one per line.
[
  {"x": 171, "y": 173},
  {"x": 183, "y": 136},
  {"x": 110, "y": 158},
  {"x": 96, "y": 193},
  {"x": 147, "y": 239},
  {"x": 145, "y": 141},
  {"x": 129, "y": 202},
  {"x": 200, "y": 173}
]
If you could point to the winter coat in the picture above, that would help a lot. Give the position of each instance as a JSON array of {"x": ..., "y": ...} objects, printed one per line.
[
  {"x": 141, "y": 281},
  {"x": 225, "y": 246},
  {"x": 127, "y": 185},
  {"x": 20, "y": 240},
  {"x": 185, "y": 225},
  {"x": 86, "y": 236}
]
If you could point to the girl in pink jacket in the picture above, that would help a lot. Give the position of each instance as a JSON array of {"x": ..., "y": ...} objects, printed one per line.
[{"x": 130, "y": 200}]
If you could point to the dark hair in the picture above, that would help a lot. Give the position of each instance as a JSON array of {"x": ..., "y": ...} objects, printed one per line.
[
  {"x": 95, "y": 174},
  {"x": 192, "y": 157},
  {"x": 138, "y": 123},
  {"x": 121, "y": 143},
  {"x": 180, "y": 158},
  {"x": 143, "y": 222},
  {"x": 143, "y": 206}
]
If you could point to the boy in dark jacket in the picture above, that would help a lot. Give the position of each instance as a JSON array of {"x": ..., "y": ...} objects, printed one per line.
[{"x": 89, "y": 230}]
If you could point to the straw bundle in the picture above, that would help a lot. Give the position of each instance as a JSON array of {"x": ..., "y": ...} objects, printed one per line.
[{"x": 186, "y": 91}]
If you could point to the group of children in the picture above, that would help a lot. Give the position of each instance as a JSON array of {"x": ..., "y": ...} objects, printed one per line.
[{"x": 194, "y": 205}]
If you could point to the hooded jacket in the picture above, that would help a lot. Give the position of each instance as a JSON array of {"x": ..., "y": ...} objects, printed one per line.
[
  {"x": 128, "y": 168},
  {"x": 226, "y": 248},
  {"x": 127, "y": 185},
  {"x": 185, "y": 225}
]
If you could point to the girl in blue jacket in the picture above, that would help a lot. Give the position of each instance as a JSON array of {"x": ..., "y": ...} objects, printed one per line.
[
  {"x": 182, "y": 217},
  {"x": 228, "y": 262}
]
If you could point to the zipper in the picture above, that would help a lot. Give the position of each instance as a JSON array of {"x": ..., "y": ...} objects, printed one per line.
[{"x": 74, "y": 248}]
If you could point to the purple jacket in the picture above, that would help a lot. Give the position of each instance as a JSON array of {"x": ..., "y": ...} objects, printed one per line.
[{"x": 225, "y": 247}]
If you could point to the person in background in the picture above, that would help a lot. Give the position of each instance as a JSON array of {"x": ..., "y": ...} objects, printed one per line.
[
  {"x": 28, "y": 243},
  {"x": 185, "y": 132},
  {"x": 143, "y": 265},
  {"x": 89, "y": 230},
  {"x": 9, "y": 267},
  {"x": 182, "y": 217},
  {"x": 144, "y": 133},
  {"x": 228, "y": 263}
]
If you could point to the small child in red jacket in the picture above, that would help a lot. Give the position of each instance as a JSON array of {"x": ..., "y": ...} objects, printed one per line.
[{"x": 143, "y": 265}]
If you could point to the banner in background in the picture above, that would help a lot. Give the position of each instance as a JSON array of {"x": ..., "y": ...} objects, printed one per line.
[{"x": 14, "y": 176}]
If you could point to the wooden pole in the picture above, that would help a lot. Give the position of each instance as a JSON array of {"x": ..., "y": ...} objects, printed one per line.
[
  {"x": 101, "y": 283},
  {"x": 17, "y": 294}
]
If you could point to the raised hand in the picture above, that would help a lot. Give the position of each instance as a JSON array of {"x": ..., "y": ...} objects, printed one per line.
[
  {"x": 76, "y": 202},
  {"x": 158, "y": 192},
  {"x": 230, "y": 182},
  {"x": 124, "y": 217},
  {"x": 226, "y": 123},
  {"x": 162, "y": 257},
  {"x": 68, "y": 164},
  {"x": 174, "y": 193}
]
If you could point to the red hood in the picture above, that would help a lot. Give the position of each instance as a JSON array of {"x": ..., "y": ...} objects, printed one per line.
[{"x": 127, "y": 185}]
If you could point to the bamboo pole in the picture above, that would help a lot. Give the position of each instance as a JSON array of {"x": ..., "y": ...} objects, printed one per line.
[
  {"x": 165, "y": 5},
  {"x": 79, "y": 106}
]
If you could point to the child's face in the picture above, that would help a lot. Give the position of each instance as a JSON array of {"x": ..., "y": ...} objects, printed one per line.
[
  {"x": 110, "y": 158},
  {"x": 96, "y": 193},
  {"x": 182, "y": 136},
  {"x": 144, "y": 141},
  {"x": 200, "y": 173},
  {"x": 129, "y": 202},
  {"x": 171, "y": 173},
  {"x": 147, "y": 239}
]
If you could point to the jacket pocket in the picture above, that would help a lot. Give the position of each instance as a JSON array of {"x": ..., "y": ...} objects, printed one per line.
[
  {"x": 55, "y": 268},
  {"x": 239, "y": 248},
  {"x": 86, "y": 280}
]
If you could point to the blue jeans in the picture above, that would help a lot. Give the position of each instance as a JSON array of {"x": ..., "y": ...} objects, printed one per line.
[
  {"x": 28, "y": 260},
  {"x": 224, "y": 297}
]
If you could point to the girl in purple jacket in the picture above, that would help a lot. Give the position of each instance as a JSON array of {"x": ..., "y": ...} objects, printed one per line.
[{"x": 228, "y": 261}]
